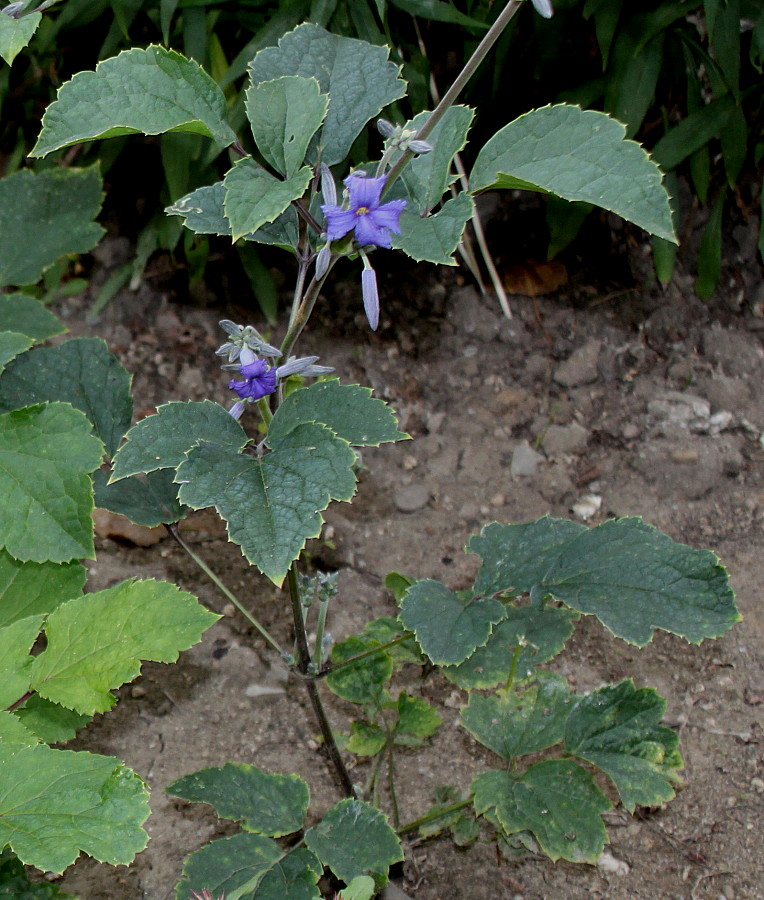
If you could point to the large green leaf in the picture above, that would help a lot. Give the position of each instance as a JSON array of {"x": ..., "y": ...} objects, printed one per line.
[
  {"x": 15, "y": 34},
  {"x": 364, "y": 681},
  {"x": 448, "y": 626},
  {"x": 226, "y": 866},
  {"x": 11, "y": 345},
  {"x": 434, "y": 238},
  {"x": 272, "y": 505},
  {"x": 146, "y": 91},
  {"x": 295, "y": 877},
  {"x": 284, "y": 114},
  {"x": 269, "y": 804},
  {"x": 49, "y": 722},
  {"x": 96, "y": 642},
  {"x": 56, "y": 803},
  {"x": 358, "y": 77},
  {"x": 631, "y": 576},
  {"x": 555, "y": 800},
  {"x": 81, "y": 372},
  {"x": 254, "y": 197},
  {"x": 24, "y": 314},
  {"x": 616, "y": 728},
  {"x": 348, "y": 409},
  {"x": 45, "y": 216},
  {"x": 31, "y": 588},
  {"x": 15, "y": 643},
  {"x": 46, "y": 496},
  {"x": 353, "y": 838},
  {"x": 577, "y": 155},
  {"x": 147, "y": 500},
  {"x": 540, "y": 632},
  {"x": 513, "y": 723},
  {"x": 162, "y": 440}
]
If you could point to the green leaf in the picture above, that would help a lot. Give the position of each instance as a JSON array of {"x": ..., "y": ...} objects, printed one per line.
[
  {"x": 45, "y": 216},
  {"x": 161, "y": 441},
  {"x": 49, "y": 722},
  {"x": 540, "y": 632},
  {"x": 14, "y": 735},
  {"x": 358, "y": 77},
  {"x": 417, "y": 720},
  {"x": 353, "y": 838},
  {"x": 146, "y": 91},
  {"x": 362, "y": 682},
  {"x": 348, "y": 409},
  {"x": 15, "y": 34},
  {"x": 81, "y": 372},
  {"x": 360, "y": 888},
  {"x": 434, "y": 238},
  {"x": 385, "y": 629},
  {"x": 56, "y": 803},
  {"x": 14, "y": 883},
  {"x": 268, "y": 804},
  {"x": 438, "y": 11},
  {"x": 203, "y": 212},
  {"x": 398, "y": 584},
  {"x": 365, "y": 739},
  {"x": 15, "y": 643},
  {"x": 11, "y": 345},
  {"x": 616, "y": 728},
  {"x": 710, "y": 250},
  {"x": 227, "y": 865},
  {"x": 31, "y": 588},
  {"x": 285, "y": 114},
  {"x": 555, "y": 800},
  {"x": 524, "y": 720},
  {"x": 577, "y": 155},
  {"x": 254, "y": 197},
  {"x": 428, "y": 176},
  {"x": 631, "y": 92},
  {"x": 148, "y": 500},
  {"x": 448, "y": 626},
  {"x": 627, "y": 573},
  {"x": 96, "y": 642},
  {"x": 295, "y": 877},
  {"x": 46, "y": 496},
  {"x": 693, "y": 132},
  {"x": 271, "y": 505},
  {"x": 464, "y": 831},
  {"x": 28, "y": 316}
]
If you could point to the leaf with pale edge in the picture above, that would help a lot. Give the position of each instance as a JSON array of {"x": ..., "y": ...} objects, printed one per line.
[
  {"x": 148, "y": 500},
  {"x": 15, "y": 34},
  {"x": 541, "y": 632},
  {"x": 434, "y": 238},
  {"x": 365, "y": 739},
  {"x": 417, "y": 720},
  {"x": 616, "y": 728},
  {"x": 28, "y": 316},
  {"x": 529, "y": 718},
  {"x": 46, "y": 496},
  {"x": 81, "y": 372},
  {"x": 577, "y": 155},
  {"x": 295, "y": 877},
  {"x": 364, "y": 681},
  {"x": 271, "y": 505},
  {"x": 56, "y": 803},
  {"x": 447, "y": 625},
  {"x": 269, "y": 804},
  {"x": 96, "y": 642},
  {"x": 11, "y": 344},
  {"x": 15, "y": 643},
  {"x": 386, "y": 628},
  {"x": 358, "y": 77},
  {"x": 555, "y": 800},
  {"x": 45, "y": 216},
  {"x": 49, "y": 722},
  {"x": 353, "y": 838},
  {"x": 30, "y": 588},
  {"x": 140, "y": 91},
  {"x": 162, "y": 440},
  {"x": 254, "y": 197},
  {"x": 631, "y": 576},
  {"x": 284, "y": 114},
  {"x": 348, "y": 409},
  {"x": 228, "y": 865}
]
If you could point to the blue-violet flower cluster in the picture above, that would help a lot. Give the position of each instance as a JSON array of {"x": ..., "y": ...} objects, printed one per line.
[{"x": 369, "y": 220}]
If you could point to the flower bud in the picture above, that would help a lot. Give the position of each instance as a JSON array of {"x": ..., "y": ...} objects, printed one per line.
[
  {"x": 322, "y": 260},
  {"x": 420, "y": 147},
  {"x": 328, "y": 187},
  {"x": 385, "y": 128}
]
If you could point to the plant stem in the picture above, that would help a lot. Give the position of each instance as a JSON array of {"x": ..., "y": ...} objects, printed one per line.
[
  {"x": 318, "y": 655},
  {"x": 352, "y": 659},
  {"x": 513, "y": 668},
  {"x": 460, "y": 82},
  {"x": 435, "y": 814},
  {"x": 174, "y": 530},
  {"x": 299, "y": 318},
  {"x": 17, "y": 703},
  {"x": 391, "y": 781}
]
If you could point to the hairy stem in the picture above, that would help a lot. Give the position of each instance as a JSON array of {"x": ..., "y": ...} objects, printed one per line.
[
  {"x": 434, "y": 815},
  {"x": 300, "y": 317}
]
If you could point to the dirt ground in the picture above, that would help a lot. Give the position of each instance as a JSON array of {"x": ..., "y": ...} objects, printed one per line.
[{"x": 639, "y": 402}]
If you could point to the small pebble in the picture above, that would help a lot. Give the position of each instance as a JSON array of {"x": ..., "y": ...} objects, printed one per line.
[
  {"x": 411, "y": 497},
  {"x": 685, "y": 455},
  {"x": 137, "y": 691}
]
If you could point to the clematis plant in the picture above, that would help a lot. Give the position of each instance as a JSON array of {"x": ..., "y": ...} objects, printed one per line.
[{"x": 534, "y": 582}]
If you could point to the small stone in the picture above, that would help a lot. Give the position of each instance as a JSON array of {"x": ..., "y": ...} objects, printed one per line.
[
  {"x": 454, "y": 700},
  {"x": 410, "y": 498},
  {"x": 137, "y": 691},
  {"x": 757, "y": 784},
  {"x": 587, "y": 506},
  {"x": 631, "y": 431},
  {"x": 229, "y": 609},
  {"x": 469, "y": 510},
  {"x": 611, "y": 865},
  {"x": 678, "y": 408},
  {"x": 562, "y": 439},
  {"x": 525, "y": 460},
  {"x": 580, "y": 367},
  {"x": 410, "y": 462},
  {"x": 256, "y": 691},
  {"x": 685, "y": 455},
  {"x": 498, "y": 499}
]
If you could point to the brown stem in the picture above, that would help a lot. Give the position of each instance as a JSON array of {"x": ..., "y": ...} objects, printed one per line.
[{"x": 22, "y": 699}]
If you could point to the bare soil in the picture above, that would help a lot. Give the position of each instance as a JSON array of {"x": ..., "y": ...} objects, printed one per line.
[{"x": 648, "y": 400}]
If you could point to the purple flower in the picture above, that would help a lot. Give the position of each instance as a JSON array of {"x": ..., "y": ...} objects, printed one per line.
[
  {"x": 371, "y": 220},
  {"x": 259, "y": 380}
]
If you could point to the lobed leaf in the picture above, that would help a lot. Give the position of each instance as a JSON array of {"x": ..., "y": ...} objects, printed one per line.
[
  {"x": 16, "y": 641},
  {"x": 294, "y": 877},
  {"x": 150, "y": 500},
  {"x": 364, "y": 681},
  {"x": 434, "y": 238},
  {"x": 365, "y": 739},
  {"x": 49, "y": 722},
  {"x": 15, "y": 34},
  {"x": 11, "y": 345},
  {"x": 417, "y": 720},
  {"x": 24, "y": 314},
  {"x": 268, "y": 804},
  {"x": 46, "y": 496},
  {"x": 577, "y": 155},
  {"x": 31, "y": 588},
  {"x": 143, "y": 90},
  {"x": 228, "y": 865}
]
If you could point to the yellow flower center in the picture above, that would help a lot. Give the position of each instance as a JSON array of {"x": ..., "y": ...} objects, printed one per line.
[{"x": 362, "y": 211}]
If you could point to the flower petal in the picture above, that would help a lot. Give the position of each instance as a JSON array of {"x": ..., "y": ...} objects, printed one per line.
[
  {"x": 370, "y": 296},
  {"x": 387, "y": 215},
  {"x": 338, "y": 221},
  {"x": 364, "y": 191},
  {"x": 368, "y": 232}
]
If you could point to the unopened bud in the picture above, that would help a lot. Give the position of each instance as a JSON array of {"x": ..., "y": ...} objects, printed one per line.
[
  {"x": 328, "y": 187},
  {"x": 385, "y": 128},
  {"x": 420, "y": 147},
  {"x": 322, "y": 260},
  {"x": 13, "y": 9},
  {"x": 543, "y": 8}
]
